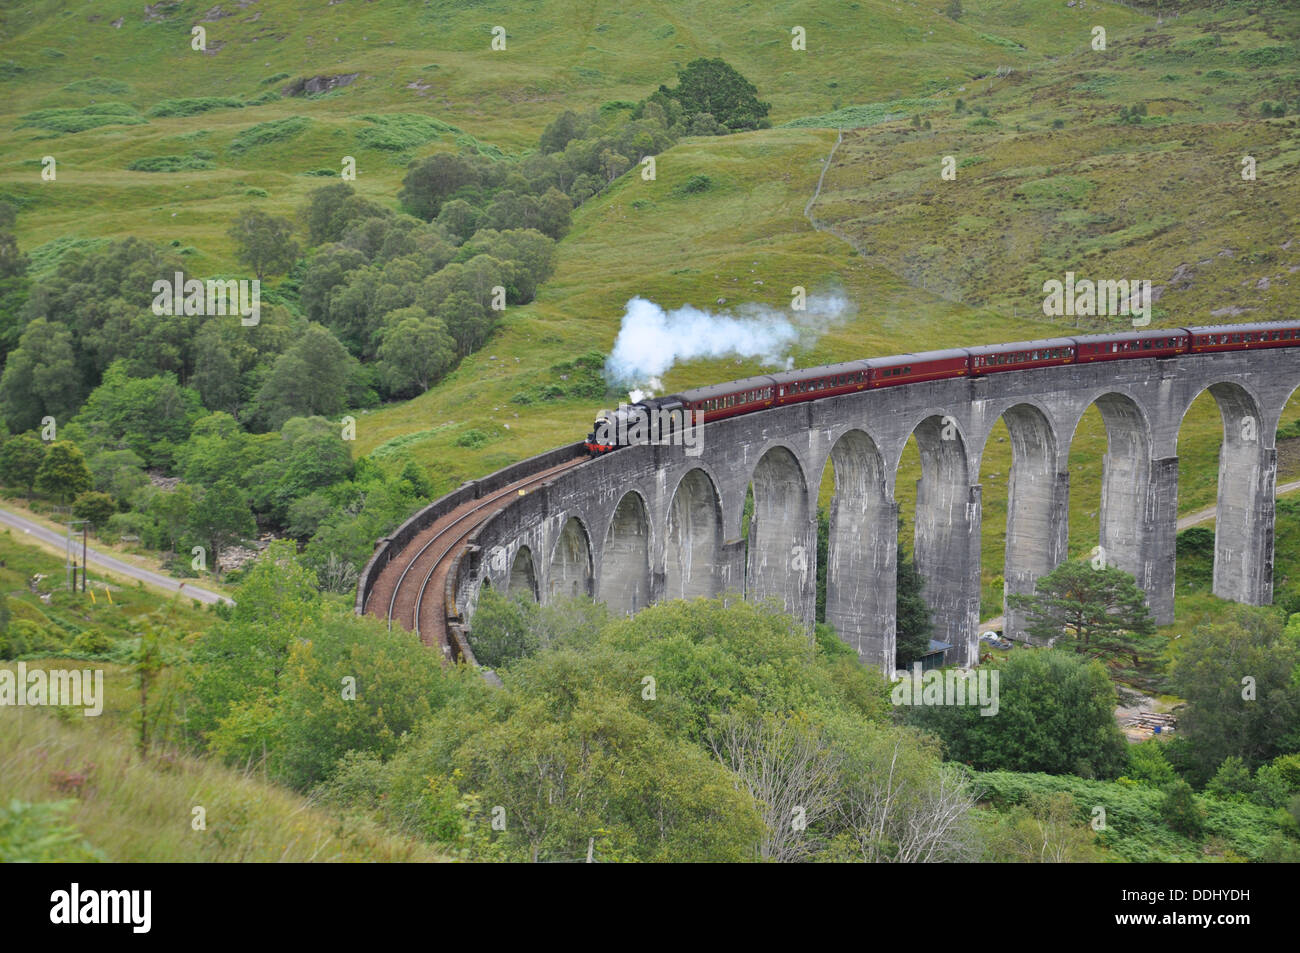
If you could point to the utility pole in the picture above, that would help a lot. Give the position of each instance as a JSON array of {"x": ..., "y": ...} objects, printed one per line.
[{"x": 71, "y": 560}]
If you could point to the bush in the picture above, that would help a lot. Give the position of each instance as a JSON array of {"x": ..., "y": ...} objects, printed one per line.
[
  {"x": 1181, "y": 811},
  {"x": 503, "y": 629},
  {"x": 694, "y": 185},
  {"x": 25, "y": 637},
  {"x": 187, "y": 163},
  {"x": 1147, "y": 762},
  {"x": 91, "y": 643}
]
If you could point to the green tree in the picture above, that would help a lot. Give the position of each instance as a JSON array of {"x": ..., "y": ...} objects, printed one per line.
[
  {"x": 561, "y": 130},
  {"x": 171, "y": 508},
  {"x": 1056, "y": 714},
  {"x": 1181, "y": 810},
  {"x": 416, "y": 351},
  {"x": 264, "y": 242},
  {"x": 242, "y": 659},
  {"x": 21, "y": 457},
  {"x": 459, "y": 218},
  {"x": 1232, "y": 781},
  {"x": 1237, "y": 675},
  {"x": 147, "y": 415},
  {"x": 953, "y": 10},
  {"x": 41, "y": 377},
  {"x": 308, "y": 379},
  {"x": 914, "y": 627},
  {"x": 332, "y": 209},
  {"x": 434, "y": 179},
  {"x": 504, "y": 628},
  {"x": 63, "y": 473},
  {"x": 355, "y": 685},
  {"x": 1103, "y": 610},
  {"x": 712, "y": 86},
  {"x": 221, "y": 517},
  {"x": 94, "y": 507}
]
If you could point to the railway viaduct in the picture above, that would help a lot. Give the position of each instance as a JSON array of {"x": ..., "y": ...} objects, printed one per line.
[{"x": 649, "y": 523}]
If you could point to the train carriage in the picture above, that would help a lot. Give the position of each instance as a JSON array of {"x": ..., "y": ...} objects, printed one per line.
[
  {"x": 720, "y": 401},
  {"x": 913, "y": 368},
  {"x": 1240, "y": 337},
  {"x": 813, "y": 383},
  {"x": 1020, "y": 355},
  {"x": 1162, "y": 342}
]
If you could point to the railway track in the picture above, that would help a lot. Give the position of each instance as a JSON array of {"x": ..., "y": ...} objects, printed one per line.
[{"x": 399, "y": 594}]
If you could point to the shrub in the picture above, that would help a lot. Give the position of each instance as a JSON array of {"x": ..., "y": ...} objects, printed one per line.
[
  {"x": 695, "y": 184},
  {"x": 1180, "y": 810},
  {"x": 91, "y": 642}
]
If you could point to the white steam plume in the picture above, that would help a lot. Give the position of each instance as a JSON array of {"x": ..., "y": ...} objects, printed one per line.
[{"x": 651, "y": 340}]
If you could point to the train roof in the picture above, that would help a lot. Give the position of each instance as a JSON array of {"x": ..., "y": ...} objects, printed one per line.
[
  {"x": 1147, "y": 335},
  {"x": 1235, "y": 328},
  {"x": 824, "y": 370},
  {"x": 1015, "y": 347},
  {"x": 729, "y": 387},
  {"x": 921, "y": 357}
]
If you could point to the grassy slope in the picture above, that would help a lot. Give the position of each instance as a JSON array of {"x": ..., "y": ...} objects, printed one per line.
[
  {"x": 749, "y": 228},
  {"x": 135, "y": 810}
]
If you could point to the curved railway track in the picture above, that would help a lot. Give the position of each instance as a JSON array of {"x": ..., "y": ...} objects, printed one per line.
[{"x": 399, "y": 592}]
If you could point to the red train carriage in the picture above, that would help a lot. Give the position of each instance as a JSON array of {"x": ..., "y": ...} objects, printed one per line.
[
  {"x": 1162, "y": 342},
  {"x": 911, "y": 368},
  {"x": 814, "y": 383},
  {"x": 720, "y": 401},
  {"x": 1239, "y": 337},
  {"x": 1021, "y": 355},
  {"x": 759, "y": 393}
]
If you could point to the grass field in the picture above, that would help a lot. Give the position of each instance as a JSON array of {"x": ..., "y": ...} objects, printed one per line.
[{"x": 1048, "y": 180}]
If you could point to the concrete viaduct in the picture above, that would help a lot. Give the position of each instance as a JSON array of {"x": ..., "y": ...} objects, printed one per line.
[{"x": 649, "y": 523}]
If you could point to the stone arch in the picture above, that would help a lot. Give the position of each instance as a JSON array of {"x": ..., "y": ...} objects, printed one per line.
[
  {"x": 861, "y": 555},
  {"x": 946, "y": 547},
  {"x": 1037, "y": 494},
  {"x": 571, "y": 573},
  {"x": 1124, "y": 520},
  {"x": 693, "y": 540},
  {"x": 523, "y": 575},
  {"x": 625, "y": 558},
  {"x": 1244, "y": 508},
  {"x": 782, "y": 560}
]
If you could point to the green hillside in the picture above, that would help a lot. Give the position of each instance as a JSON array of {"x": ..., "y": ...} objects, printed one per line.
[{"x": 1049, "y": 180}]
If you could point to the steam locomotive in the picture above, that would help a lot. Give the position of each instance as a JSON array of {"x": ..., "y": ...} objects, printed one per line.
[{"x": 720, "y": 401}]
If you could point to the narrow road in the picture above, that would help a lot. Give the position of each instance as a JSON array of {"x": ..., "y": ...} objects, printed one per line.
[
  {"x": 110, "y": 562},
  {"x": 1205, "y": 515}
]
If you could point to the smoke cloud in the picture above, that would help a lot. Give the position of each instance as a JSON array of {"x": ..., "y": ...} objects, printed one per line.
[{"x": 651, "y": 340}]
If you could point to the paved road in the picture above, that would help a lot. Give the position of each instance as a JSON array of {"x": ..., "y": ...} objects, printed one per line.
[
  {"x": 1204, "y": 516},
  {"x": 111, "y": 562}
]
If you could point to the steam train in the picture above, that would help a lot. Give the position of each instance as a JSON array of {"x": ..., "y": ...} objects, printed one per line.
[{"x": 750, "y": 394}]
